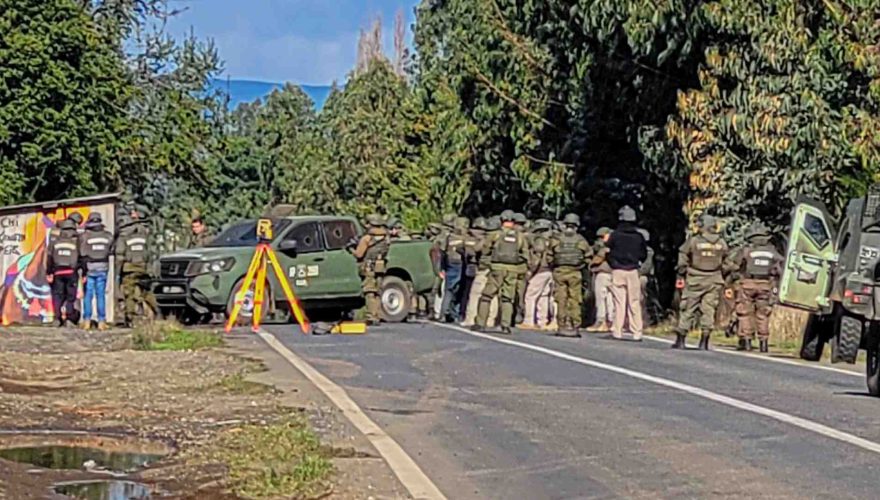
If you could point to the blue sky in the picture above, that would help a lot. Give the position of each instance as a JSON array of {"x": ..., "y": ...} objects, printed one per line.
[{"x": 302, "y": 41}]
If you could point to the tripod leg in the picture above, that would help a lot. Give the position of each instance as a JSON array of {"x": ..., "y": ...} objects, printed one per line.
[
  {"x": 298, "y": 313},
  {"x": 245, "y": 287},
  {"x": 260, "y": 291}
]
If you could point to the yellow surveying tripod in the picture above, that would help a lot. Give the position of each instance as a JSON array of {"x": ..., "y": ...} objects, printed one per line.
[{"x": 263, "y": 256}]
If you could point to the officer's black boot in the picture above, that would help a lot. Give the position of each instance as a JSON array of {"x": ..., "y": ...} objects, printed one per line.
[
  {"x": 765, "y": 347},
  {"x": 742, "y": 344},
  {"x": 704, "y": 341},
  {"x": 679, "y": 341},
  {"x": 505, "y": 330}
]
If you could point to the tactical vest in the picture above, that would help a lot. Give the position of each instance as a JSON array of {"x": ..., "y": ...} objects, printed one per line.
[
  {"x": 65, "y": 252},
  {"x": 760, "y": 261},
  {"x": 377, "y": 252},
  {"x": 135, "y": 249},
  {"x": 96, "y": 245},
  {"x": 455, "y": 246},
  {"x": 507, "y": 246},
  {"x": 705, "y": 255},
  {"x": 567, "y": 252}
]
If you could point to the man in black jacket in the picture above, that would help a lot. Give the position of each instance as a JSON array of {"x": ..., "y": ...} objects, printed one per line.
[{"x": 627, "y": 250}]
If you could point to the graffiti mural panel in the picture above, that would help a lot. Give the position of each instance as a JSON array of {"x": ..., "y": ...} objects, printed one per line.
[{"x": 25, "y": 293}]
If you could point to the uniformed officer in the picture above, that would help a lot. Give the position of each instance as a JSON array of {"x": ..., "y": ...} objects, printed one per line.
[
  {"x": 473, "y": 247},
  {"x": 396, "y": 230},
  {"x": 133, "y": 260},
  {"x": 491, "y": 226},
  {"x": 509, "y": 252},
  {"x": 701, "y": 261},
  {"x": 62, "y": 270},
  {"x": 571, "y": 253},
  {"x": 758, "y": 265},
  {"x": 95, "y": 248},
  {"x": 371, "y": 253},
  {"x": 539, "y": 289},
  {"x": 521, "y": 222},
  {"x": 601, "y": 272}
]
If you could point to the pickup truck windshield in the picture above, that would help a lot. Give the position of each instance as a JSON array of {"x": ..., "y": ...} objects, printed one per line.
[{"x": 244, "y": 234}]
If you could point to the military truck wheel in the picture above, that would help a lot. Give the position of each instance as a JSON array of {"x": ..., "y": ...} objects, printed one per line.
[
  {"x": 872, "y": 371},
  {"x": 845, "y": 345},
  {"x": 816, "y": 333},
  {"x": 247, "y": 309},
  {"x": 396, "y": 299}
]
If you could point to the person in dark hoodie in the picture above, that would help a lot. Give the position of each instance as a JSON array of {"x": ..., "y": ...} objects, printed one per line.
[
  {"x": 96, "y": 246},
  {"x": 627, "y": 250},
  {"x": 701, "y": 263}
]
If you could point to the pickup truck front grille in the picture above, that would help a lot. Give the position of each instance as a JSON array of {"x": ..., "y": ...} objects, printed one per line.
[{"x": 171, "y": 269}]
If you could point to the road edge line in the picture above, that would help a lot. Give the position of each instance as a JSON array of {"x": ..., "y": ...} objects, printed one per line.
[
  {"x": 404, "y": 467},
  {"x": 789, "y": 362},
  {"x": 794, "y": 421}
]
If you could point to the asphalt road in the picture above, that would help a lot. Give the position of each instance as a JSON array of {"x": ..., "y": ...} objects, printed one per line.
[{"x": 490, "y": 420}]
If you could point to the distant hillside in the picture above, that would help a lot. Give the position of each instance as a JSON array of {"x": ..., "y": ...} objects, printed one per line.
[{"x": 248, "y": 91}]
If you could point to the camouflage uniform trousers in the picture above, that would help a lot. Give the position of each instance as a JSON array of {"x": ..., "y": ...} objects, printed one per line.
[
  {"x": 701, "y": 295},
  {"x": 753, "y": 308},
  {"x": 473, "y": 303},
  {"x": 136, "y": 294},
  {"x": 371, "y": 284},
  {"x": 569, "y": 295},
  {"x": 501, "y": 284}
]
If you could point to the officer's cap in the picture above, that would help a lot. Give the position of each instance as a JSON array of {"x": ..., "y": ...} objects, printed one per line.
[{"x": 541, "y": 225}]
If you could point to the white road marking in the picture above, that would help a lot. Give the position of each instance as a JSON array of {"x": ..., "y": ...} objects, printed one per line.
[
  {"x": 799, "y": 422},
  {"x": 413, "y": 478},
  {"x": 814, "y": 366}
]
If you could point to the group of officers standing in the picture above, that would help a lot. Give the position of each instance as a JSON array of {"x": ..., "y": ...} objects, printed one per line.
[
  {"x": 81, "y": 253},
  {"x": 507, "y": 271}
]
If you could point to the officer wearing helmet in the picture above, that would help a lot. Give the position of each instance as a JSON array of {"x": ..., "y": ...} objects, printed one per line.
[
  {"x": 521, "y": 222},
  {"x": 371, "y": 253},
  {"x": 539, "y": 287},
  {"x": 757, "y": 265},
  {"x": 62, "y": 271},
  {"x": 571, "y": 254},
  {"x": 509, "y": 252},
  {"x": 482, "y": 230},
  {"x": 133, "y": 245},
  {"x": 701, "y": 266},
  {"x": 601, "y": 272}
]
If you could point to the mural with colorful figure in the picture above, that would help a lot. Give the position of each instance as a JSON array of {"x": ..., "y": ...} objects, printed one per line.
[{"x": 25, "y": 293}]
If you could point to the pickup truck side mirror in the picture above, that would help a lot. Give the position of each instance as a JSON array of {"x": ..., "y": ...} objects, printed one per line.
[{"x": 288, "y": 246}]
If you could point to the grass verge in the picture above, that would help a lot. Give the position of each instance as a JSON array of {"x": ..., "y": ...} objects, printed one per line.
[
  {"x": 282, "y": 459},
  {"x": 170, "y": 336}
]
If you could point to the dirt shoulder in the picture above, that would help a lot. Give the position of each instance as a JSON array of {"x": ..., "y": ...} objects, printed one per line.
[{"x": 230, "y": 421}]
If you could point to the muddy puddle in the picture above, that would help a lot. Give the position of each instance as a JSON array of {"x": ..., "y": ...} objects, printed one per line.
[
  {"x": 103, "y": 490},
  {"x": 78, "y": 457}
]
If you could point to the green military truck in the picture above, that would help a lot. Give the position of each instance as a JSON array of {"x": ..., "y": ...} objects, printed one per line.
[
  {"x": 312, "y": 250},
  {"x": 834, "y": 274}
]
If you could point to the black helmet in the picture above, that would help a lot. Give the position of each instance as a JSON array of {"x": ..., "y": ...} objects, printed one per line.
[{"x": 95, "y": 218}]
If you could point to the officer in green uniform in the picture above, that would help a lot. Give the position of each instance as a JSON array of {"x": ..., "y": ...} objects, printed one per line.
[
  {"x": 757, "y": 265},
  {"x": 371, "y": 252},
  {"x": 571, "y": 254},
  {"x": 509, "y": 252},
  {"x": 701, "y": 264},
  {"x": 133, "y": 261},
  {"x": 521, "y": 222},
  {"x": 473, "y": 247}
]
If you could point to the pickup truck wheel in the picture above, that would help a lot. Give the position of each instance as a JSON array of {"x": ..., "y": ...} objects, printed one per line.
[
  {"x": 396, "y": 299},
  {"x": 247, "y": 309},
  {"x": 872, "y": 371},
  {"x": 845, "y": 345},
  {"x": 814, "y": 337}
]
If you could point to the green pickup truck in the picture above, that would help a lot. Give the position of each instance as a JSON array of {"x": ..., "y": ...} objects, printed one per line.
[{"x": 312, "y": 250}]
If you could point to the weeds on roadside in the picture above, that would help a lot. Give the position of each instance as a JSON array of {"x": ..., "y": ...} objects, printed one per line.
[
  {"x": 170, "y": 336},
  {"x": 282, "y": 459}
]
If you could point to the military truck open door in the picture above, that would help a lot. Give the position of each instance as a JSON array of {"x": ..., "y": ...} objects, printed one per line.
[{"x": 809, "y": 258}]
